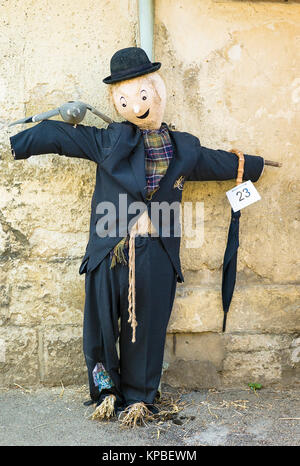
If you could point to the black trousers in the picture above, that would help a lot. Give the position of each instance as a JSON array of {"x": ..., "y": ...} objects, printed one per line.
[{"x": 136, "y": 370}]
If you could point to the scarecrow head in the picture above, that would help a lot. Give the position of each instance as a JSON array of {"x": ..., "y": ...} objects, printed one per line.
[{"x": 137, "y": 90}]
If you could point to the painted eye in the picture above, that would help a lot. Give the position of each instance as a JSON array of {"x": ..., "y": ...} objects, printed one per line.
[
  {"x": 123, "y": 101},
  {"x": 143, "y": 94}
]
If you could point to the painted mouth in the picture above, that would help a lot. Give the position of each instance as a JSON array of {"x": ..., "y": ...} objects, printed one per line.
[{"x": 145, "y": 115}]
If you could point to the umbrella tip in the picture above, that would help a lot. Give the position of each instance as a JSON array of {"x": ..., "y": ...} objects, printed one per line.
[{"x": 224, "y": 322}]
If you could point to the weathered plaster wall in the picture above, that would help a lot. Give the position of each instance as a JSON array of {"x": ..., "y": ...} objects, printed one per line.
[
  {"x": 233, "y": 74},
  {"x": 233, "y": 79},
  {"x": 51, "y": 52}
]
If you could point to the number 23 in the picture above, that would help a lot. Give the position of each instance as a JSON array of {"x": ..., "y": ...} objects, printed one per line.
[{"x": 240, "y": 193}]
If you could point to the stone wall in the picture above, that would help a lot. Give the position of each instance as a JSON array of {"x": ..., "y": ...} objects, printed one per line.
[
  {"x": 233, "y": 70},
  {"x": 233, "y": 78}
]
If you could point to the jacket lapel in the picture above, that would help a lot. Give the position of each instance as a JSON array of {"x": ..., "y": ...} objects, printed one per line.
[
  {"x": 126, "y": 165},
  {"x": 137, "y": 163}
]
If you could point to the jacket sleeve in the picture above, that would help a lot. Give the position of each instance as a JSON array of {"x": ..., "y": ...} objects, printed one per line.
[
  {"x": 56, "y": 137},
  {"x": 220, "y": 165}
]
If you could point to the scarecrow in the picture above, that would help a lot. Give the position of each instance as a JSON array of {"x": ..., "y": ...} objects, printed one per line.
[{"x": 131, "y": 267}]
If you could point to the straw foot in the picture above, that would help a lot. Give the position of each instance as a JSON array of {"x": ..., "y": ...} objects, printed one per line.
[
  {"x": 106, "y": 409},
  {"x": 134, "y": 415}
]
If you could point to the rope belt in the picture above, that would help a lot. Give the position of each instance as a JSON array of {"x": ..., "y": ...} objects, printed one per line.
[{"x": 142, "y": 226}]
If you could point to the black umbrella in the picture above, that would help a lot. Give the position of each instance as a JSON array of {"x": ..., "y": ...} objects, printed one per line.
[
  {"x": 229, "y": 263},
  {"x": 230, "y": 256}
]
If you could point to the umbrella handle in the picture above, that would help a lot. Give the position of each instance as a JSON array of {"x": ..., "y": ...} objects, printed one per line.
[{"x": 240, "y": 171}]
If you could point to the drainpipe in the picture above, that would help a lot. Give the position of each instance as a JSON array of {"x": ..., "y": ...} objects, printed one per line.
[{"x": 146, "y": 21}]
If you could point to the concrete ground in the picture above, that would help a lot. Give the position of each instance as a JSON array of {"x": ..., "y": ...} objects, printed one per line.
[{"x": 57, "y": 416}]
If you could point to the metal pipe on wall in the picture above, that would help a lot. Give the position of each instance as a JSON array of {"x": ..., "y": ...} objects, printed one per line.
[{"x": 146, "y": 25}]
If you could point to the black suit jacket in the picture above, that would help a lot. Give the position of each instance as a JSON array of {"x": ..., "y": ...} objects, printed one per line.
[{"x": 119, "y": 154}]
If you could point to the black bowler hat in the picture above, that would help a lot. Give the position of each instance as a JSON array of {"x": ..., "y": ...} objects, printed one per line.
[{"x": 130, "y": 63}]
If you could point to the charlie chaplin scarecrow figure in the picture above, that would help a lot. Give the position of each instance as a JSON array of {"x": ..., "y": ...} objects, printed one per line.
[{"x": 131, "y": 267}]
